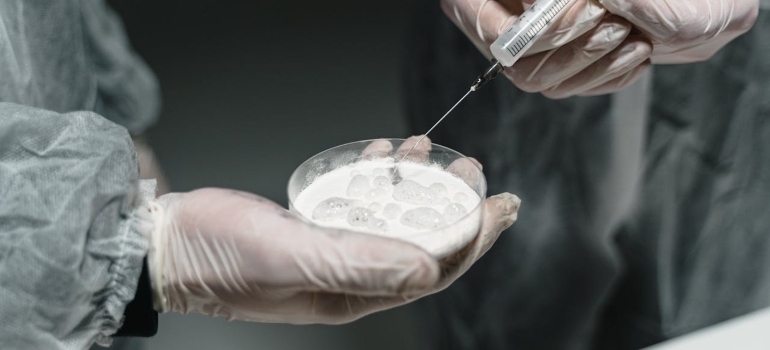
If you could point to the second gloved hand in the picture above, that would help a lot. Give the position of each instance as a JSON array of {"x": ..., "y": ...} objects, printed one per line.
[
  {"x": 239, "y": 256},
  {"x": 600, "y": 47},
  {"x": 686, "y": 31}
]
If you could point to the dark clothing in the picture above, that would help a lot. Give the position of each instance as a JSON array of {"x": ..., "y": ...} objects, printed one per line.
[{"x": 638, "y": 223}]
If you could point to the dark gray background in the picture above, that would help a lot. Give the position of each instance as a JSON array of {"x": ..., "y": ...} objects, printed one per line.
[{"x": 253, "y": 88}]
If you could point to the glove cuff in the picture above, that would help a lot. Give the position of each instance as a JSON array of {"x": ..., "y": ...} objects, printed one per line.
[{"x": 156, "y": 257}]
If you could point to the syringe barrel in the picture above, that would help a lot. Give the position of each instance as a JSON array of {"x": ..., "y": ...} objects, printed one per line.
[{"x": 515, "y": 41}]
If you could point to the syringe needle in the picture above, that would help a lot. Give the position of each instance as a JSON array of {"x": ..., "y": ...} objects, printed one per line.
[{"x": 431, "y": 129}]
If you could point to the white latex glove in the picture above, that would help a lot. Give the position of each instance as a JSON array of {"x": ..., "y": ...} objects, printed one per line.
[
  {"x": 687, "y": 31},
  {"x": 590, "y": 52},
  {"x": 236, "y": 255}
]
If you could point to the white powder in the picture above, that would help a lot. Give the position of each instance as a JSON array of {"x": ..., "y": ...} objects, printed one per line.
[{"x": 429, "y": 206}]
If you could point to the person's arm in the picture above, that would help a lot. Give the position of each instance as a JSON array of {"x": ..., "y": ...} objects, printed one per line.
[
  {"x": 72, "y": 239},
  {"x": 76, "y": 225}
]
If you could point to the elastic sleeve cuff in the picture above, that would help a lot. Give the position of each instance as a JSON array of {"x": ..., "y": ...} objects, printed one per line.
[
  {"x": 140, "y": 318},
  {"x": 129, "y": 267}
]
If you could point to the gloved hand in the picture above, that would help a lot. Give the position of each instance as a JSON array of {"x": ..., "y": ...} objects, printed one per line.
[
  {"x": 236, "y": 255},
  {"x": 686, "y": 31},
  {"x": 590, "y": 51}
]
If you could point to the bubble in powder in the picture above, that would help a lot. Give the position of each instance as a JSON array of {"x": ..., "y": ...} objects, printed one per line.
[
  {"x": 439, "y": 189},
  {"x": 375, "y": 193},
  {"x": 332, "y": 208},
  {"x": 454, "y": 212},
  {"x": 411, "y": 192},
  {"x": 377, "y": 225},
  {"x": 391, "y": 211},
  {"x": 358, "y": 186},
  {"x": 375, "y": 206},
  {"x": 380, "y": 182},
  {"x": 422, "y": 218},
  {"x": 460, "y": 197},
  {"x": 378, "y": 172},
  {"x": 359, "y": 216}
]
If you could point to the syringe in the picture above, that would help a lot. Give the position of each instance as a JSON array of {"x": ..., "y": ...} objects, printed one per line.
[
  {"x": 510, "y": 47},
  {"x": 515, "y": 41}
]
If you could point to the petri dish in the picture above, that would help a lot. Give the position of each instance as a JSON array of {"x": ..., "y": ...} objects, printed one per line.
[{"x": 440, "y": 179}]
